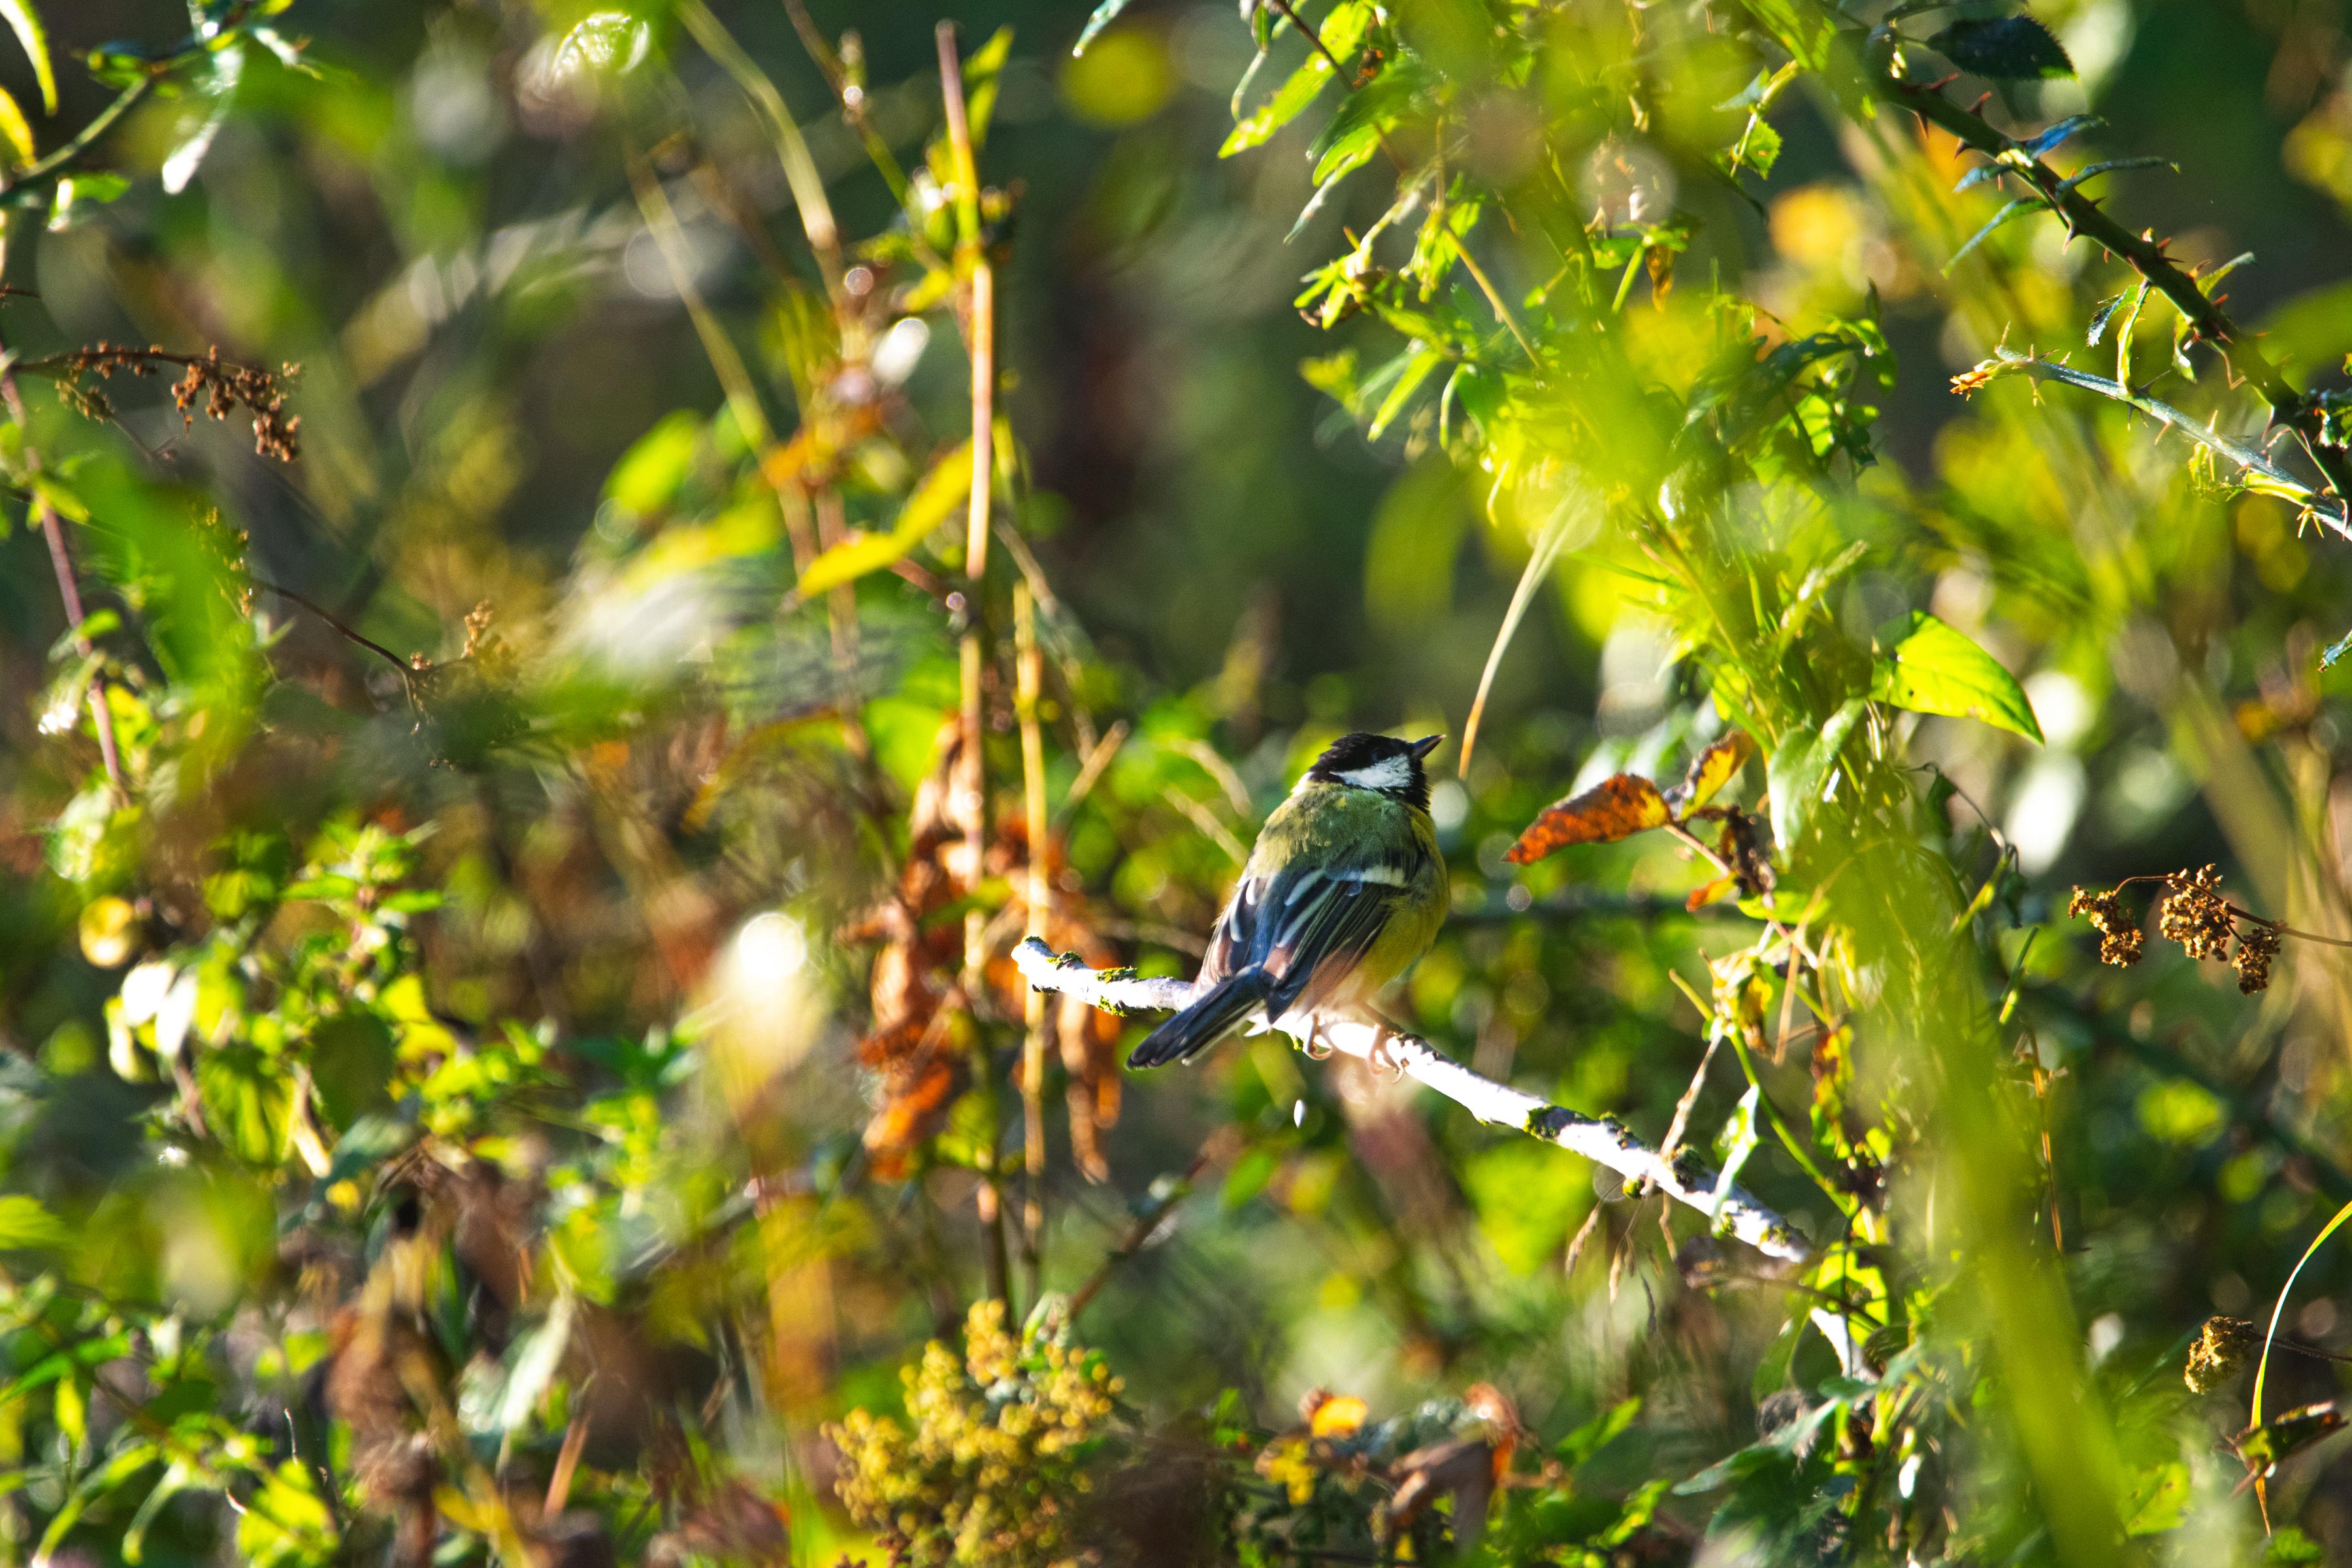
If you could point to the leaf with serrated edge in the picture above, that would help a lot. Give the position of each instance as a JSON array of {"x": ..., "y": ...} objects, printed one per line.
[
  {"x": 1614, "y": 808},
  {"x": 1932, "y": 669}
]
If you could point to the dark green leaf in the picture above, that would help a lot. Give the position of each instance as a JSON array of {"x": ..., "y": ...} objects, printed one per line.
[{"x": 2004, "y": 48}]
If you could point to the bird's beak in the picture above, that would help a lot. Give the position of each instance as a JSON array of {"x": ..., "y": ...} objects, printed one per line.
[{"x": 1426, "y": 744}]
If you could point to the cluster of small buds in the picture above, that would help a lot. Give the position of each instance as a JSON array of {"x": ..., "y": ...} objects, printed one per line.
[
  {"x": 2120, "y": 935},
  {"x": 221, "y": 387},
  {"x": 2194, "y": 913},
  {"x": 2258, "y": 944},
  {"x": 2224, "y": 1346},
  {"x": 2191, "y": 911}
]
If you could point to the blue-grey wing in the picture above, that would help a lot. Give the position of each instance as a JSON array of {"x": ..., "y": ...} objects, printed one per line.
[{"x": 1299, "y": 927}]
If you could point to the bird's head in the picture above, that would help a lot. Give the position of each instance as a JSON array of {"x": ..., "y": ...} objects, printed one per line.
[{"x": 1382, "y": 764}]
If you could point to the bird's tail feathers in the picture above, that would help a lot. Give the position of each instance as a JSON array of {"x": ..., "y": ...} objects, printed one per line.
[{"x": 1203, "y": 1023}]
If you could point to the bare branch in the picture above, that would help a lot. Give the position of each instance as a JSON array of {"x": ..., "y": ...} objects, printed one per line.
[{"x": 1605, "y": 1141}]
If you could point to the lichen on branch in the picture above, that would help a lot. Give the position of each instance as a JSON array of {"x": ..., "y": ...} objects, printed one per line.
[{"x": 1604, "y": 1139}]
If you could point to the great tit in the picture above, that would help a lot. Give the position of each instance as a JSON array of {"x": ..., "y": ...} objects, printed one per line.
[{"x": 1343, "y": 891}]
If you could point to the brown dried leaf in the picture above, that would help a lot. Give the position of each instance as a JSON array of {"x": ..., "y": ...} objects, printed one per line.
[
  {"x": 1614, "y": 808},
  {"x": 1711, "y": 770},
  {"x": 915, "y": 1105}
]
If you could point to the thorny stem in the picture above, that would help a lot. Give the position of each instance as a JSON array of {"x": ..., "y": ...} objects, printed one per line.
[
  {"x": 2266, "y": 477},
  {"x": 2083, "y": 216}
]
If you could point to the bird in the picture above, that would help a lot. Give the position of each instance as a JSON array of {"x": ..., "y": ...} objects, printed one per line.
[{"x": 1342, "y": 893}]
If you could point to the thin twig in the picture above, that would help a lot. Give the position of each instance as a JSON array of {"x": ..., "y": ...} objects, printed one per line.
[
  {"x": 406, "y": 670},
  {"x": 53, "y": 534},
  {"x": 1606, "y": 1141},
  {"x": 1166, "y": 1193}
]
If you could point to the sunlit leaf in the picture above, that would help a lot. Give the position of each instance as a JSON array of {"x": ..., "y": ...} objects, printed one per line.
[
  {"x": 23, "y": 1223},
  {"x": 1711, "y": 770},
  {"x": 1105, "y": 14},
  {"x": 1341, "y": 31},
  {"x": 25, "y": 20},
  {"x": 943, "y": 489},
  {"x": 1800, "y": 769},
  {"x": 181, "y": 167},
  {"x": 15, "y": 129},
  {"x": 1931, "y": 668},
  {"x": 1614, "y": 808}
]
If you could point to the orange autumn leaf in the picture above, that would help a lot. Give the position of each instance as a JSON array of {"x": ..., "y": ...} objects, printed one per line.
[{"x": 1614, "y": 808}]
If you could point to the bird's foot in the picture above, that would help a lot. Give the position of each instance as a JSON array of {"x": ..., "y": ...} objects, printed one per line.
[
  {"x": 1382, "y": 1058},
  {"x": 1313, "y": 1044}
]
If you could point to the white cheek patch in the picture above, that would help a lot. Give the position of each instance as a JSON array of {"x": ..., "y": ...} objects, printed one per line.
[{"x": 1389, "y": 772}]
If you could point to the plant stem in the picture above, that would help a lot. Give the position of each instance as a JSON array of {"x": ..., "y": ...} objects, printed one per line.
[
  {"x": 972, "y": 790},
  {"x": 53, "y": 534},
  {"x": 1029, "y": 673}
]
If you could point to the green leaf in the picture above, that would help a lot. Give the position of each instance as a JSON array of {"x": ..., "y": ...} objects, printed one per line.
[
  {"x": 1341, "y": 31},
  {"x": 25, "y": 1223},
  {"x": 1287, "y": 104},
  {"x": 2014, "y": 211},
  {"x": 2004, "y": 47},
  {"x": 1105, "y": 14},
  {"x": 1797, "y": 770},
  {"x": 181, "y": 167},
  {"x": 16, "y": 129},
  {"x": 943, "y": 489},
  {"x": 27, "y": 21},
  {"x": 1934, "y": 670}
]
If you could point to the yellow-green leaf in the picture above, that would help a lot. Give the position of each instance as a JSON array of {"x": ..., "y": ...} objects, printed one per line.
[
  {"x": 27, "y": 21},
  {"x": 1341, "y": 31},
  {"x": 941, "y": 490},
  {"x": 1932, "y": 669},
  {"x": 25, "y": 1223},
  {"x": 16, "y": 129}
]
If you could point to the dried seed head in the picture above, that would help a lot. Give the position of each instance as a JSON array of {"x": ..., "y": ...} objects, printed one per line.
[
  {"x": 2119, "y": 934},
  {"x": 2194, "y": 915},
  {"x": 220, "y": 387},
  {"x": 2220, "y": 1350},
  {"x": 2258, "y": 944}
]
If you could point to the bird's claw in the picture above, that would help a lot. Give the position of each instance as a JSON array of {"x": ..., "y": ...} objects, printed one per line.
[
  {"x": 1382, "y": 1057},
  {"x": 1313, "y": 1045}
]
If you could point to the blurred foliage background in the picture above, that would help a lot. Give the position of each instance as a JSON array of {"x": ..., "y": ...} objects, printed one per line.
[{"x": 510, "y": 1046}]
